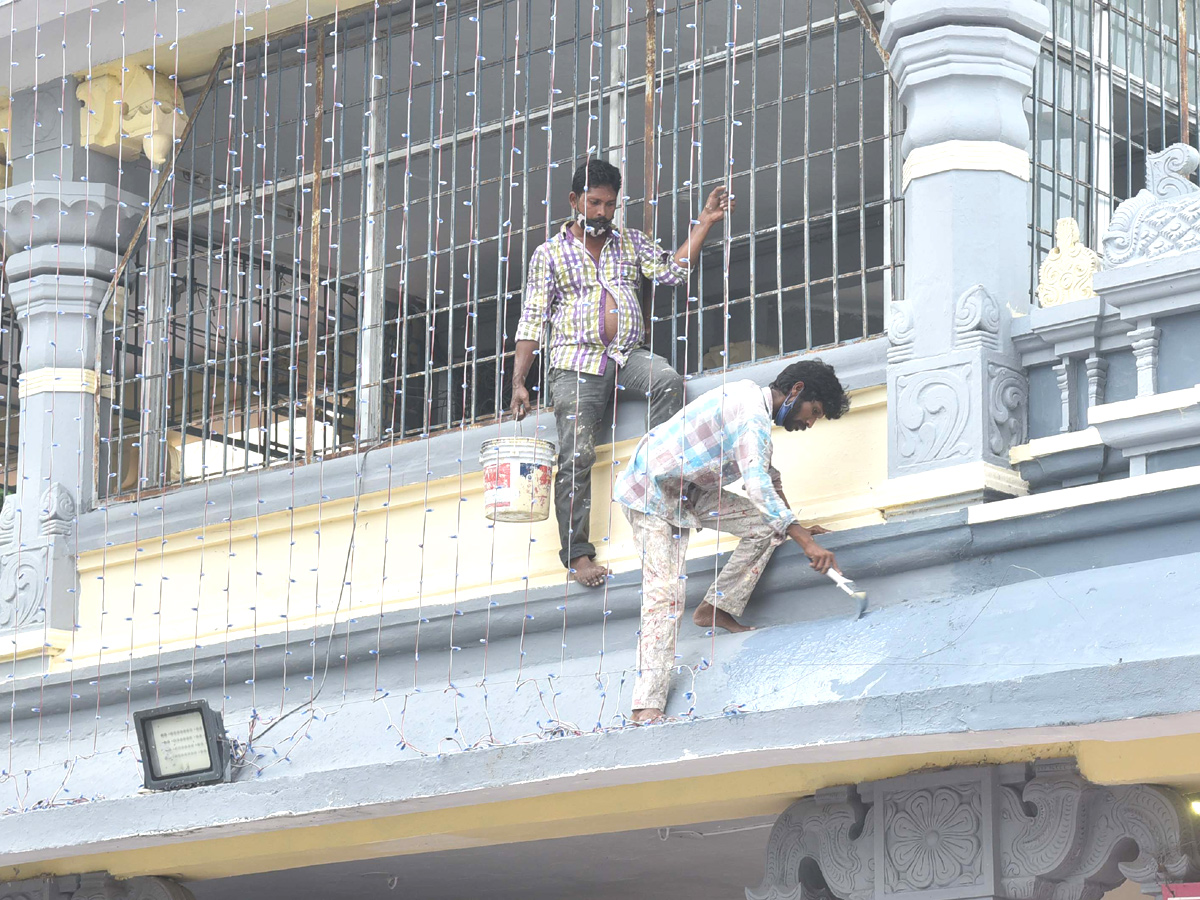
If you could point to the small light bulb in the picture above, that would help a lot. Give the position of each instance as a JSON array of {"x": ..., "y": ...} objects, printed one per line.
[{"x": 1196, "y": 807}]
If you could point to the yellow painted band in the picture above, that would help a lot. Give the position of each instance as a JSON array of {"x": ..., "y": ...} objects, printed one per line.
[
  {"x": 976, "y": 156},
  {"x": 44, "y": 381}
]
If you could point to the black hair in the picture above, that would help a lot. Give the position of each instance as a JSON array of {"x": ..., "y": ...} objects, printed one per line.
[
  {"x": 821, "y": 385},
  {"x": 596, "y": 173}
]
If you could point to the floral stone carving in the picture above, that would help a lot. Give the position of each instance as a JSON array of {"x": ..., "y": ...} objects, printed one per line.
[
  {"x": 932, "y": 839},
  {"x": 1066, "y": 273}
]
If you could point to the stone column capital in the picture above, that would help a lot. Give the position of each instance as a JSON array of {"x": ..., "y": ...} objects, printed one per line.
[
  {"x": 964, "y": 70},
  {"x": 63, "y": 214}
]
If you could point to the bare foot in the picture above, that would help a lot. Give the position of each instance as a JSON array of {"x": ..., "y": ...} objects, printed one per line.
[
  {"x": 587, "y": 572},
  {"x": 704, "y": 617},
  {"x": 646, "y": 716}
]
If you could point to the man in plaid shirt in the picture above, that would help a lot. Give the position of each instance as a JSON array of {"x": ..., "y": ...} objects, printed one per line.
[
  {"x": 677, "y": 480},
  {"x": 584, "y": 284}
]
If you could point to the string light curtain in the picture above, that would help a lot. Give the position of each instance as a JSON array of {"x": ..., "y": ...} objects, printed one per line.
[{"x": 348, "y": 205}]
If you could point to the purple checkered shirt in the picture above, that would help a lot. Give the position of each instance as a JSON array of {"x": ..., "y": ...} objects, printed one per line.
[{"x": 566, "y": 288}]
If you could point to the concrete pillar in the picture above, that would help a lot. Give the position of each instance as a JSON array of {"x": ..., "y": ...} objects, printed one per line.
[
  {"x": 957, "y": 397},
  {"x": 62, "y": 241}
]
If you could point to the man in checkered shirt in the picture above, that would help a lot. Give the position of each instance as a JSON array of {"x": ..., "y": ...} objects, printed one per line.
[
  {"x": 583, "y": 287},
  {"x": 677, "y": 480}
]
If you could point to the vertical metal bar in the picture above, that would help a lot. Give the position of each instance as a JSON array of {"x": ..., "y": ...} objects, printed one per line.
[
  {"x": 451, "y": 282},
  {"x": 862, "y": 189},
  {"x": 753, "y": 237},
  {"x": 1102, "y": 124},
  {"x": 371, "y": 333},
  {"x": 155, "y": 350},
  {"x": 808, "y": 38},
  {"x": 314, "y": 275},
  {"x": 698, "y": 181},
  {"x": 779, "y": 188},
  {"x": 272, "y": 299},
  {"x": 833, "y": 142},
  {"x": 648, "y": 217},
  {"x": 1185, "y": 115}
]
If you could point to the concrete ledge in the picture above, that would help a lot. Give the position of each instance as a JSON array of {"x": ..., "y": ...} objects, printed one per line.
[
  {"x": 1077, "y": 457},
  {"x": 1144, "y": 425},
  {"x": 1007, "y": 712}
]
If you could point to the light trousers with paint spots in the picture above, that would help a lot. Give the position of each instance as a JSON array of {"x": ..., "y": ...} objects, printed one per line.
[{"x": 663, "y": 548}]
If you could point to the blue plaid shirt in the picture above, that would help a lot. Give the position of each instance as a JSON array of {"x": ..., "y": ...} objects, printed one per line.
[{"x": 721, "y": 436}]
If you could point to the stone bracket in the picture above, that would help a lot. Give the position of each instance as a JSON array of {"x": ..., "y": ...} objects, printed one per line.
[
  {"x": 94, "y": 886},
  {"x": 1023, "y": 832}
]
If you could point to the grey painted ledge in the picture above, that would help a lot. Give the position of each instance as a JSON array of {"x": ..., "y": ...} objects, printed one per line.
[
  {"x": 861, "y": 364},
  {"x": 1021, "y": 631}
]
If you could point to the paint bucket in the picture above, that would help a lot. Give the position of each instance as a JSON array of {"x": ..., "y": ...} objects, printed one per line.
[{"x": 516, "y": 479}]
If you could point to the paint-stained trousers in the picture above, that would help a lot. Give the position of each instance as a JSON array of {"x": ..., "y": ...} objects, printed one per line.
[
  {"x": 581, "y": 402},
  {"x": 663, "y": 547}
]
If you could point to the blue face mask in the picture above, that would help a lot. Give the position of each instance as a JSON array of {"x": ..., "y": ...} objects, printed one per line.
[{"x": 785, "y": 410}]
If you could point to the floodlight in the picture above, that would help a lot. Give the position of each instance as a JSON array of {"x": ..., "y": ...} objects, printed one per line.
[{"x": 183, "y": 745}]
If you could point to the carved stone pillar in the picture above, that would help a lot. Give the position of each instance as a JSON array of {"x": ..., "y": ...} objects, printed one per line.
[
  {"x": 62, "y": 243},
  {"x": 1020, "y": 832},
  {"x": 957, "y": 395}
]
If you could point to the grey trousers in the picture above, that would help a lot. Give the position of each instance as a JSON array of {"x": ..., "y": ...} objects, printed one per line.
[{"x": 581, "y": 413}]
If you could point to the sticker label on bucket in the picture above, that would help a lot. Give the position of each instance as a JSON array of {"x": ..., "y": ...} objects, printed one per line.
[
  {"x": 495, "y": 476},
  {"x": 539, "y": 482}
]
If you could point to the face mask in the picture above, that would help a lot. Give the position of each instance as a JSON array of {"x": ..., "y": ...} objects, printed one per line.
[
  {"x": 597, "y": 227},
  {"x": 785, "y": 410}
]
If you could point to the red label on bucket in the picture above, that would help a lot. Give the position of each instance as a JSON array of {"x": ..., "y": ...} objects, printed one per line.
[{"x": 495, "y": 476}]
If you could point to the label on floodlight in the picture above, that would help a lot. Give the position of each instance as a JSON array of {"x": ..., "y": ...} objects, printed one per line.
[{"x": 180, "y": 744}]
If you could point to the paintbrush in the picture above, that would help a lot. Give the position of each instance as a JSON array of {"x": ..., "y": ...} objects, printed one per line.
[{"x": 848, "y": 586}]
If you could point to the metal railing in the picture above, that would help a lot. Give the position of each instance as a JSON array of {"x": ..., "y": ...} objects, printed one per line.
[
  {"x": 338, "y": 254},
  {"x": 1110, "y": 88}
]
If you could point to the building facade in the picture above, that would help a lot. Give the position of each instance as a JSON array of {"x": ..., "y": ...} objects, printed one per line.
[{"x": 263, "y": 264}]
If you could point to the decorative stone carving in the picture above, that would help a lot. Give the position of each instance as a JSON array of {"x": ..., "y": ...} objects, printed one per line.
[
  {"x": 1167, "y": 171},
  {"x": 1064, "y": 375},
  {"x": 58, "y": 510},
  {"x": 931, "y": 839},
  {"x": 23, "y": 586},
  {"x": 977, "y": 319},
  {"x": 1066, "y": 273},
  {"x": 932, "y": 412},
  {"x": 95, "y": 886},
  {"x": 37, "y": 563},
  {"x": 1163, "y": 218},
  {"x": 1097, "y": 378},
  {"x": 137, "y": 110},
  {"x": 900, "y": 331},
  {"x": 835, "y": 831},
  {"x": 1008, "y": 405},
  {"x": 1051, "y": 834},
  {"x": 8, "y": 520},
  {"x": 1145, "y": 355}
]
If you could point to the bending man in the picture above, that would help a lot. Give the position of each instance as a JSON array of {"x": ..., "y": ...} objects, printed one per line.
[
  {"x": 676, "y": 481},
  {"x": 585, "y": 282}
]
